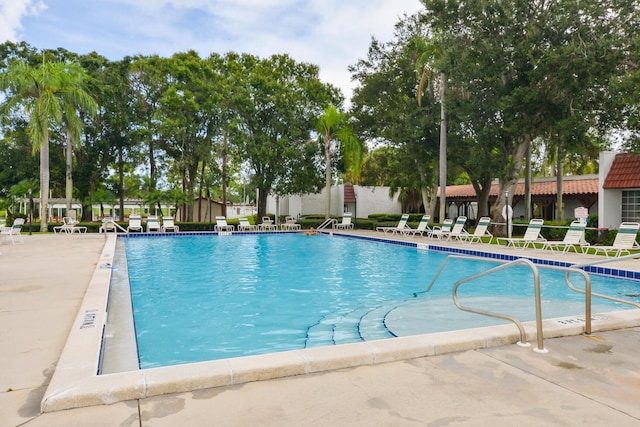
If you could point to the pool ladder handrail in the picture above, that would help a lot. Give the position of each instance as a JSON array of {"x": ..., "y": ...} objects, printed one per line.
[
  {"x": 326, "y": 223},
  {"x": 603, "y": 261},
  {"x": 536, "y": 275}
]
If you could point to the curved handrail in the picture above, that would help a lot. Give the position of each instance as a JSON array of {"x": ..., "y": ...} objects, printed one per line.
[
  {"x": 326, "y": 223},
  {"x": 536, "y": 278},
  {"x": 534, "y": 268}
]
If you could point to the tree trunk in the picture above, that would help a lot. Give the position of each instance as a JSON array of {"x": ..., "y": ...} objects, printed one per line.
[
  {"x": 68, "y": 173},
  {"x": 559, "y": 173},
  {"x": 527, "y": 185},
  {"x": 262, "y": 202},
  {"x": 327, "y": 176},
  {"x": 44, "y": 184},
  {"x": 224, "y": 174},
  {"x": 443, "y": 152}
]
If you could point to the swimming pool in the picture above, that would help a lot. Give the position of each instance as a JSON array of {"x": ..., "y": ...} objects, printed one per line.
[{"x": 211, "y": 297}]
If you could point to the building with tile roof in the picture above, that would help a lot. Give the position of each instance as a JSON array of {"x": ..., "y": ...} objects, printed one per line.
[{"x": 619, "y": 190}]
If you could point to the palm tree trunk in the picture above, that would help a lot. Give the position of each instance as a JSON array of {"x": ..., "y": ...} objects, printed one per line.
[
  {"x": 327, "y": 176},
  {"x": 443, "y": 152},
  {"x": 68, "y": 173},
  {"x": 44, "y": 184}
]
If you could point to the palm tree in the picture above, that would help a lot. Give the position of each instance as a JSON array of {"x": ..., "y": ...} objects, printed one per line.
[
  {"x": 334, "y": 127},
  {"x": 48, "y": 94}
]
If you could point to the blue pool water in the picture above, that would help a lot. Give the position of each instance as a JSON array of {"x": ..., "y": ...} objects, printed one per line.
[{"x": 206, "y": 297}]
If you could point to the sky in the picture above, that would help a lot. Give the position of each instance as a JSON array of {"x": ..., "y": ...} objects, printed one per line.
[{"x": 332, "y": 34}]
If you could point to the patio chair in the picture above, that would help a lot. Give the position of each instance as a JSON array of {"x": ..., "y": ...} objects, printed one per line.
[
  {"x": 346, "y": 223},
  {"x": 267, "y": 224},
  {"x": 221, "y": 224},
  {"x": 13, "y": 232},
  {"x": 108, "y": 224},
  {"x": 153, "y": 224},
  {"x": 135, "y": 223},
  {"x": 458, "y": 231},
  {"x": 423, "y": 227},
  {"x": 441, "y": 231},
  {"x": 245, "y": 225},
  {"x": 290, "y": 224},
  {"x": 482, "y": 230},
  {"x": 169, "y": 224},
  {"x": 624, "y": 242},
  {"x": 531, "y": 236},
  {"x": 574, "y": 239},
  {"x": 69, "y": 225},
  {"x": 402, "y": 225}
]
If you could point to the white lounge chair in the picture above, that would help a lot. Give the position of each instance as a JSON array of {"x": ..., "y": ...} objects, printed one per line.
[
  {"x": 482, "y": 230},
  {"x": 153, "y": 224},
  {"x": 402, "y": 225},
  {"x": 13, "y": 232},
  {"x": 624, "y": 242},
  {"x": 221, "y": 224},
  {"x": 69, "y": 225},
  {"x": 290, "y": 224},
  {"x": 346, "y": 223},
  {"x": 267, "y": 224},
  {"x": 458, "y": 231},
  {"x": 574, "y": 239},
  {"x": 245, "y": 225},
  {"x": 441, "y": 231},
  {"x": 169, "y": 224},
  {"x": 531, "y": 236},
  {"x": 108, "y": 224},
  {"x": 423, "y": 227},
  {"x": 135, "y": 223}
]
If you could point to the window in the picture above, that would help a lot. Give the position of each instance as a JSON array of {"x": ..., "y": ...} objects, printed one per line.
[{"x": 631, "y": 205}]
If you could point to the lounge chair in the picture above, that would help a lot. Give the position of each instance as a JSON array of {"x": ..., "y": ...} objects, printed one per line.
[
  {"x": 290, "y": 224},
  {"x": 402, "y": 225},
  {"x": 135, "y": 223},
  {"x": 14, "y": 231},
  {"x": 624, "y": 242},
  {"x": 108, "y": 224},
  {"x": 221, "y": 224},
  {"x": 69, "y": 225},
  {"x": 153, "y": 224},
  {"x": 480, "y": 231},
  {"x": 574, "y": 239},
  {"x": 423, "y": 227},
  {"x": 441, "y": 231},
  {"x": 531, "y": 236},
  {"x": 267, "y": 224},
  {"x": 346, "y": 223},
  {"x": 245, "y": 225},
  {"x": 169, "y": 224},
  {"x": 458, "y": 231}
]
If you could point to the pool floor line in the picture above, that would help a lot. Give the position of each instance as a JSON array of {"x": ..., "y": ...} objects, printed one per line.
[{"x": 75, "y": 382}]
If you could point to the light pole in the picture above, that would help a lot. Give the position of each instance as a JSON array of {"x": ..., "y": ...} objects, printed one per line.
[{"x": 506, "y": 212}]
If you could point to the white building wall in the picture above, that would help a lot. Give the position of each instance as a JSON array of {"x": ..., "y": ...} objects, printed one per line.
[
  {"x": 609, "y": 201},
  {"x": 369, "y": 200},
  {"x": 375, "y": 200}
]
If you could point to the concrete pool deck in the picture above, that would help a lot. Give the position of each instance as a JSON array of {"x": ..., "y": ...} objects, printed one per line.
[{"x": 581, "y": 381}]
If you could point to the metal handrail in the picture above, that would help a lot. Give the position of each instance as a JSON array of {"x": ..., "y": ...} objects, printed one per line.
[
  {"x": 603, "y": 261},
  {"x": 326, "y": 223},
  {"x": 534, "y": 268}
]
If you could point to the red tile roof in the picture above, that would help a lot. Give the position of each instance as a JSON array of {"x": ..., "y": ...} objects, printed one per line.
[
  {"x": 587, "y": 184},
  {"x": 624, "y": 172}
]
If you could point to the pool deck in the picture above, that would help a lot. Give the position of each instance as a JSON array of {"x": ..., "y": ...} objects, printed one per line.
[{"x": 582, "y": 380}]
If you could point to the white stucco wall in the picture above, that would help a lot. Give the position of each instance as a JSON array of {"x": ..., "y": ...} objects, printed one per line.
[
  {"x": 609, "y": 201},
  {"x": 369, "y": 200}
]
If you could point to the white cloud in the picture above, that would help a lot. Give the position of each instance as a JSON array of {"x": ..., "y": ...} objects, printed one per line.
[
  {"x": 11, "y": 14},
  {"x": 330, "y": 33}
]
